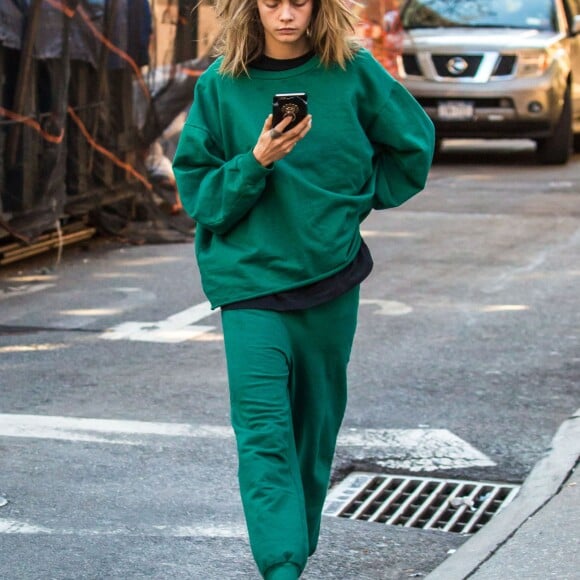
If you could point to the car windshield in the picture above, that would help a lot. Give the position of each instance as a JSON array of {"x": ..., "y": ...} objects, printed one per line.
[{"x": 533, "y": 14}]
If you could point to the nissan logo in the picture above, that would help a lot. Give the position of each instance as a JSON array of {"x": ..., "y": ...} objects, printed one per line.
[{"x": 457, "y": 65}]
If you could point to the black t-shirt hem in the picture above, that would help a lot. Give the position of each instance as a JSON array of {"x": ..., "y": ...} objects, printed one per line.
[{"x": 316, "y": 293}]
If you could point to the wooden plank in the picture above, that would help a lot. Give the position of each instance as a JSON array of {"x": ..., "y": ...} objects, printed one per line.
[
  {"x": 25, "y": 75},
  {"x": 53, "y": 241},
  {"x": 29, "y": 151},
  {"x": 79, "y": 153}
]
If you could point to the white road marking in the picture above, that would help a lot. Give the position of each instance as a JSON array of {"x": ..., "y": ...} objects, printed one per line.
[
  {"x": 389, "y": 307},
  {"x": 33, "y": 347},
  {"x": 504, "y": 308},
  {"x": 383, "y": 234},
  {"x": 22, "y": 290},
  {"x": 16, "y": 527},
  {"x": 80, "y": 429},
  {"x": 181, "y": 326},
  {"x": 177, "y": 328},
  {"x": 412, "y": 449},
  {"x": 561, "y": 184},
  {"x": 197, "y": 531}
]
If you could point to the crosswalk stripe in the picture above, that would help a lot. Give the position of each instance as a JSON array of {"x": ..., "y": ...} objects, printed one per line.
[{"x": 413, "y": 449}]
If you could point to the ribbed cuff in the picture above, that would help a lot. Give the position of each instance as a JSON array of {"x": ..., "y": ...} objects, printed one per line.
[{"x": 286, "y": 571}]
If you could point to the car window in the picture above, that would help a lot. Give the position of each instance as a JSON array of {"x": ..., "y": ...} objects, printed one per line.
[{"x": 532, "y": 14}]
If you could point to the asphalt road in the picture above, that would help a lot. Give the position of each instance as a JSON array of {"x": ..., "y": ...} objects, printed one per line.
[{"x": 116, "y": 460}]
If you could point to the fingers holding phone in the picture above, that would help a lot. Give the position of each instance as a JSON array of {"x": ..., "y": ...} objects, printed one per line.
[{"x": 277, "y": 140}]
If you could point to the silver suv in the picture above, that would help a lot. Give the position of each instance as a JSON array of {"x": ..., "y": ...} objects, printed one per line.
[{"x": 497, "y": 69}]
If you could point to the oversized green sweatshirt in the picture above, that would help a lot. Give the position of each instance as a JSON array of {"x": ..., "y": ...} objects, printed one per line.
[{"x": 266, "y": 230}]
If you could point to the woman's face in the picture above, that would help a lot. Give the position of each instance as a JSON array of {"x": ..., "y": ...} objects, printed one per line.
[{"x": 285, "y": 23}]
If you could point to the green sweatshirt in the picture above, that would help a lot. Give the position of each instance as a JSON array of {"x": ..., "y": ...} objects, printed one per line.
[{"x": 265, "y": 230}]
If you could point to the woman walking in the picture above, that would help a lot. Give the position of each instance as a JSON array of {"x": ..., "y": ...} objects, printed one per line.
[{"x": 278, "y": 211}]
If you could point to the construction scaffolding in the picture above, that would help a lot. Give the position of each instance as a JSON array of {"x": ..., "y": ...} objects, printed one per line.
[{"x": 86, "y": 87}]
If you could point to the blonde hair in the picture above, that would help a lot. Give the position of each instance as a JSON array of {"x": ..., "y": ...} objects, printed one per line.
[{"x": 241, "y": 39}]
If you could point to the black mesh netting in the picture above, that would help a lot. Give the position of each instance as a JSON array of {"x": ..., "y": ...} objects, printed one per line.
[{"x": 92, "y": 98}]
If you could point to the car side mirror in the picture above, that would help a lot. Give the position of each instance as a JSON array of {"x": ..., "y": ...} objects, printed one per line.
[{"x": 576, "y": 25}]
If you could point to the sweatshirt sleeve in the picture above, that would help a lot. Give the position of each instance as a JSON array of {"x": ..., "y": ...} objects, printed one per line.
[
  {"x": 403, "y": 138},
  {"x": 217, "y": 193}
]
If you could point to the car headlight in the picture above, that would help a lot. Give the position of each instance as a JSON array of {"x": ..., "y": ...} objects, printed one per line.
[{"x": 533, "y": 63}]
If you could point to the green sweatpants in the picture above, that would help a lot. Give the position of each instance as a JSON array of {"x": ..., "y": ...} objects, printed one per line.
[{"x": 287, "y": 376}]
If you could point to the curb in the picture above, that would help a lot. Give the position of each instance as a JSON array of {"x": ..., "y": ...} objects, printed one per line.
[{"x": 541, "y": 485}]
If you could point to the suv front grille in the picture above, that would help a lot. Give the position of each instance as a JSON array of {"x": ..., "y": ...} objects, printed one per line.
[
  {"x": 504, "y": 66},
  {"x": 443, "y": 64},
  {"x": 411, "y": 65}
]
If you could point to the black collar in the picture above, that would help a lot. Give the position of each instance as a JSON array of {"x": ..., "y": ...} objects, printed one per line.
[{"x": 264, "y": 62}]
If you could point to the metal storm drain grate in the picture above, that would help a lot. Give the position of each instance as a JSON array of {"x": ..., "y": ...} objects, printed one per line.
[{"x": 450, "y": 505}]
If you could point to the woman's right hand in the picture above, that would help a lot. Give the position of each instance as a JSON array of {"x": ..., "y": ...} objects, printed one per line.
[{"x": 274, "y": 144}]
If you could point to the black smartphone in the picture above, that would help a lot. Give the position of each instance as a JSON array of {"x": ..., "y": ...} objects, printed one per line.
[{"x": 293, "y": 105}]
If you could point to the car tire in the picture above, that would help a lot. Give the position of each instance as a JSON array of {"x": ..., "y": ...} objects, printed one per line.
[
  {"x": 577, "y": 143},
  {"x": 556, "y": 149}
]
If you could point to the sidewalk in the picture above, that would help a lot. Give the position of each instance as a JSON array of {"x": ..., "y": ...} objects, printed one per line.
[{"x": 537, "y": 536}]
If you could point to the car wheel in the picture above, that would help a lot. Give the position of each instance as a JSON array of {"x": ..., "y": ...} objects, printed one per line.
[{"x": 556, "y": 149}]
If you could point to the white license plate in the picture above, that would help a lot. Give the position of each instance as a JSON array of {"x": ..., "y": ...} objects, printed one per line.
[{"x": 455, "y": 110}]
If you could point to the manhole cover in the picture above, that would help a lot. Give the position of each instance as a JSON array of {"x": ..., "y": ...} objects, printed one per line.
[{"x": 450, "y": 505}]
